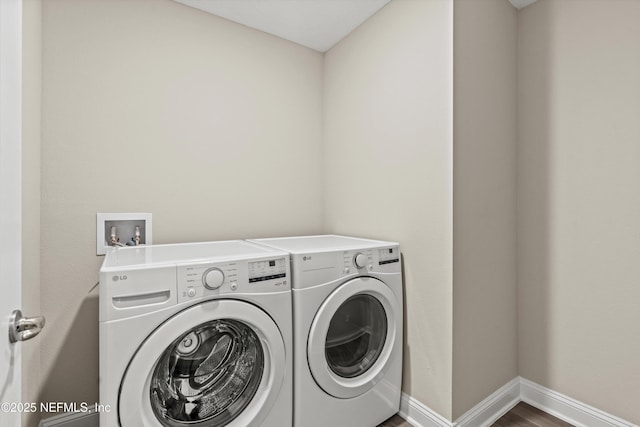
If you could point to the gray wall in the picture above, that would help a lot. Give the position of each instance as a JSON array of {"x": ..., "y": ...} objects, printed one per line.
[
  {"x": 579, "y": 200},
  {"x": 388, "y": 167},
  {"x": 152, "y": 106},
  {"x": 484, "y": 200}
]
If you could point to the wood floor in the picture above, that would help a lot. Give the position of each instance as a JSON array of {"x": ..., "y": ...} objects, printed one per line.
[
  {"x": 522, "y": 415},
  {"x": 396, "y": 421}
]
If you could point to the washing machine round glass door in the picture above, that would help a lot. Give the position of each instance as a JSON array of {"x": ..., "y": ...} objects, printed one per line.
[
  {"x": 219, "y": 363},
  {"x": 352, "y": 336}
]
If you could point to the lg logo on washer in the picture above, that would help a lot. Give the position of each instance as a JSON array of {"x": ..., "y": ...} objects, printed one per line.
[{"x": 116, "y": 278}]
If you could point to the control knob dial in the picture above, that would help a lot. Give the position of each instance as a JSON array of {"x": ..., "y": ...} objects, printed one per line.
[
  {"x": 360, "y": 260},
  {"x": 213, "y": 278}
]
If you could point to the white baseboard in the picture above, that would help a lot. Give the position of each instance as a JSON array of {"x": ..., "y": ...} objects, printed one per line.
[
  {"x": 493, "y": 407},
  {"x": 78, "y": 419},
  {"x": 420, "y": 415},
  {"x": 501, "y": 401},
  {"x": 570, "y": 410}
]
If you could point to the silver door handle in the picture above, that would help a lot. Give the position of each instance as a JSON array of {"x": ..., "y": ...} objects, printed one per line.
[{"x": 24, "y": 328}]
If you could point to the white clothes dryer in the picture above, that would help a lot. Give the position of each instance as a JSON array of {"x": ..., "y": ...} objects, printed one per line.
[
  {"x": 347, "y": 316},
  {"x": 195, "y": 334}
]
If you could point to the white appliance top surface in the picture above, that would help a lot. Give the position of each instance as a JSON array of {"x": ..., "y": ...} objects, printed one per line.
[
  {"x": 325, "y": 243},
  {"x": 185, "y": 252}
]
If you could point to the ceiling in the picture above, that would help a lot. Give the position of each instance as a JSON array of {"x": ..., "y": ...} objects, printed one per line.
[
  {"x": 519, "y": 4},
  {"x": 317, "y": 24}
]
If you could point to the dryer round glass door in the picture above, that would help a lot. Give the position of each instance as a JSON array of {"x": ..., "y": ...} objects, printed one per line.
[
  {"x": 219, "y": 363},
  {"x": 356, "y": 336},
  {"x": 352, "y": 336}
]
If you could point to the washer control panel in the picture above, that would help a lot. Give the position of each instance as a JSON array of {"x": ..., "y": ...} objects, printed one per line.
[
  {"x": 200, "y": 280},
  {"x": 269, "y": 269}
]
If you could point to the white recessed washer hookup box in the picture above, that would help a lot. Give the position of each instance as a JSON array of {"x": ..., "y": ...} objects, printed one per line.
[{"x": 122, "y": 229}]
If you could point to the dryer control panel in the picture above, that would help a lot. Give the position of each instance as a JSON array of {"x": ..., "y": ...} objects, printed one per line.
[
  {"x": 323, "y": 267},
  {"x": 388, "y": 255},
  {"x": 357, "y": 261},
  {"x": 361, "y": 261},
  {"x": 200, "y": 280}
]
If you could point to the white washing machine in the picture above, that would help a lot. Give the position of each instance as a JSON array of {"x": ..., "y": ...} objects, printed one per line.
[
  {"x": 196, "y": 335},
  {"x": 347, "y": 325}
]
